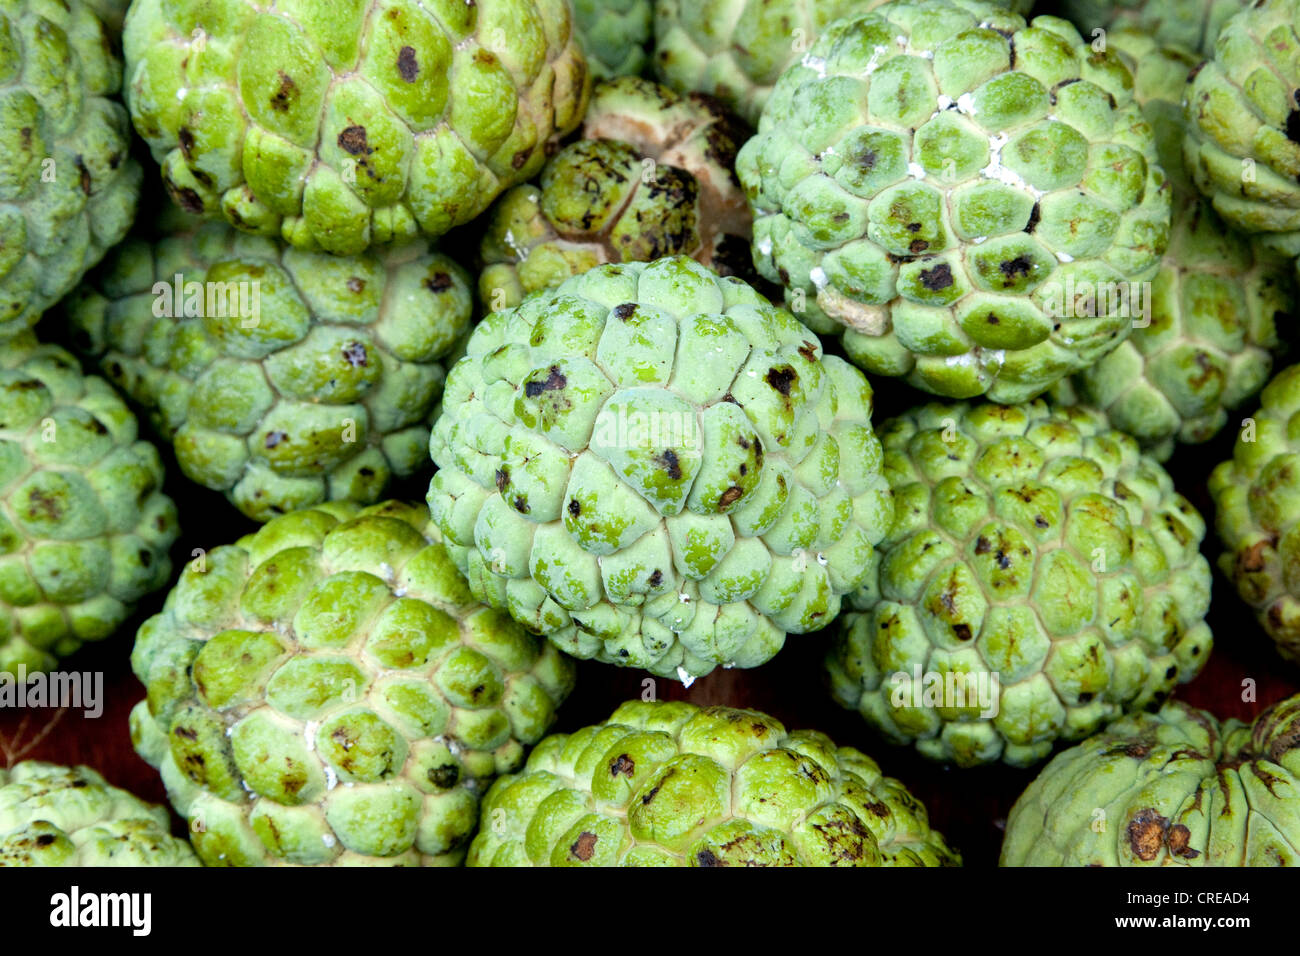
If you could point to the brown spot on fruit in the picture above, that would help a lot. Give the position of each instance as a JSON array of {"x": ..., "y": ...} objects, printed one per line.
[
  {"x": 407, "y": 65},
  {"x": 354, "y": 353},
  {"x": 729, "y": 497},
  {"x": 353, "y": 141},
  {"x": 937, "y": 278},
  {"x": 438, "y": 282},
  {"x": 503, "y": 479},
  {"x": 1253, "y": 559},
  {"x": 444, "y": 777},
  {"x": 285, "y": 94},
  {"x": 275, "y": 438},
  {"x": 657, "y": 578},
  {"x": 625, "y": 311},
  {"x": 1146, "y": 834},
  {"x": 782, "y": 379},
  {"x": 584, "y": 848},
  {"x": 356, "y": 284},
  {"x": 809, "y": 351},
  {"x": 554, "y": 381},
  {"x": 622, "y": 764}
]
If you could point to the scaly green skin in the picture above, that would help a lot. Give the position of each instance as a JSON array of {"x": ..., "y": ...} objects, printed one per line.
[
  {"x": 653, "y": 176},
  {"x": 1191, "y": 24},
  {"x": 343, "y": 124},
  {"x": 659, "y": 469},
  {"x": 614, "y": 35},
  {"x": 322, "y": 385},
  {"x": 944, "y": 206},
  {"x": 1176, "y": 788},
  {"x": 1241, "y": 112},
  {"x": 111, "y": 12},
  {"x": 84, "y": 525},
  {"x": 1257, "y": 509},
  {"x": 326, "y": 691},
  {"x": 69, "y": 187},
  {"x": 672, "y": 784},
  {"x": 1031, "y": 543},
  {"x": 734, "y": 50},
  {"x": 70, "y": 816},
  {"x": 1216, "y": 302}
]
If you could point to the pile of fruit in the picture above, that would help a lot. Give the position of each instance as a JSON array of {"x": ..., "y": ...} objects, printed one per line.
[{"x": 391, "y": 381}]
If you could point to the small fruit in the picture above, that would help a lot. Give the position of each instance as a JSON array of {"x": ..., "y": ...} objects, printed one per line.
[
  {"x": 657, "y": 468},
  {"x": 326, "y": 691},
  {"x": 672, "y": 784},
  {"x": 1042, "y": 578},
  {"x": 653, "y": 176},
  {"x": 69, "y": 186},
  {"x": 1256, "y": 497},
  {"x": 344, "y": 124},
  {"x": 1175, "y": 788},
  {"x": 70, "y": 816},
  {"x": 283, "y": 378},
  {"x": 958, "y": 192},
  {"x": 84, "y": 525}
]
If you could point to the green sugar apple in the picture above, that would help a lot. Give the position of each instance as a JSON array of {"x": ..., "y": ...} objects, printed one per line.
[
  {"x": 652, "y": 176},
  {"x": 336, "y": 125},
  {"x": 657, "y": 468},
  {"x": 1174, "y": 788},
  {"x": 1042, "y": 578},
  {"x": 282, "y": 377},
  {"x": 69, "y": 186},
  {"x": 968, "y": 199},
  {"x": 71, "y": 816},
  {"x": 84, "y": 525},
  {"x": 327, "y": 692},
  {"x": 672, "y": 784}
]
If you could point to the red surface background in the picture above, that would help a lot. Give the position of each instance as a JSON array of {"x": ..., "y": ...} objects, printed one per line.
[{"x": 1243, "y": 676}]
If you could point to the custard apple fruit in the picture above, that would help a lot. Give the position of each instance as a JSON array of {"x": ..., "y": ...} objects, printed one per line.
[
  {"x": 84, "y": 525},
  {"x": 1175, "y": 788},
  {"x": 615, "y": 35},
  {"x": 326, "y": 691},
  {"x": 71, "y": 816},
  {"x": 653, "y": 176},
  {"x": 71, "y": 186},
  {"x": 1206, "y": 343},
  {"x": 282, "y": 377},
  {"x": 672, "y": 784},
  {"x": 657, "y": 468},
  {"x": 1256, "y": 497},
  {"x": 1042, "y": 578},
  {"x": 1191, "y": 24},
  {"x": 1242, "y": 121},
  {"x": 339, "y": 125},
  {"x": 951, "y": 188}
]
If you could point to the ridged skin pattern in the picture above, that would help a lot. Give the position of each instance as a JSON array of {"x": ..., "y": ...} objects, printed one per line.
[
  {"x": 339, "y": 124},
  {"x": 68, "y": 186},
  {"x": 1216, "y": 305},
  {"x": 1035, "y": 545},
  {"x": 945, "y": 186},
  {"x": 84, "y": 525},
  {"x": 657, "y": 468},
  {"x": 1190, "y": 24},
  {"x": 70, "y": 816},
  {"x": 1241, "y": 119},
  {"x": 652, "y": 176},
  {"x": 615, "y": 35},
  {"x": 326, "y": 691},
  {"x": 672, "y": 784},
  {"x": 1257, "y": 512},
  {"x": 1176, "y": 788},
  {"x": 735, "y": 49},
  {"x": 283, "y": 378}
]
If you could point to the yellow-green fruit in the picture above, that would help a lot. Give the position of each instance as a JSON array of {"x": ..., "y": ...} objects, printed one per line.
[
  {"x": 1174, "y": 788},
  {"x": 672, "y": 784},
  {"x": 326, "y": 691},
  {"x": 1042, "y": 578},
  {"x": 84, "y": 525},
  {"x": 343, "y": 124},
  {"x": 70, "y": 816}
]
